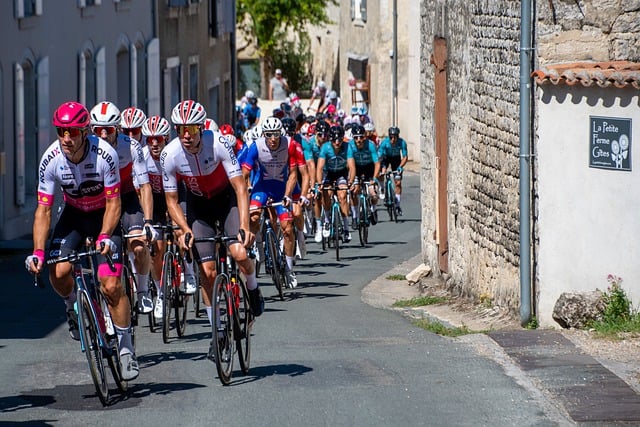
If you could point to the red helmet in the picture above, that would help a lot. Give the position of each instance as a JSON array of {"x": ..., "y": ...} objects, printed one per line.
[
  {"x": 71, "y": 114},
  {"x": 226, "y": 129}
]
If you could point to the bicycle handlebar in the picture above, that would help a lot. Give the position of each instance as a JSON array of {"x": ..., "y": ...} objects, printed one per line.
[{"x": 74, "y": 257}]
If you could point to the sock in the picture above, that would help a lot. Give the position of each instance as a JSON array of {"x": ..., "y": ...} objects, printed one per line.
[
  {"x": 188, "y": 268},
  {"x": 326, "y": 217},
  {"x": 131, "y": 262},
  {"x": 158, "y": 287},
  {"x": 252, "y": 282},
  {"x": 143, "y": 282},
  {"x": 398, "y": 199},
  {"x": 124, "y": 340},
  {"x": 345, "y": 223},
  {"x": 289, "y": 262},
  {"x": 353, "y": 211},
  {"x": 300, "y": 235},
  {"x": 208, "y": 309},
  {"x": 70, "y": 300},
  {"x": 318, "y": 223}
]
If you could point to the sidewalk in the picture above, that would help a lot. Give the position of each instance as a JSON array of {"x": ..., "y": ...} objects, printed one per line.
[{"x": 565, "y": 371}]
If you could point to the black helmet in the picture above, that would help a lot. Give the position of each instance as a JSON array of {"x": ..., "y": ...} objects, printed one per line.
[
  {"x": 289, "y": 125},
  {"x": 322, "y": 127},
  {"x": 335, "y": 132},
  {"x": 394, "y": 131},
  {"x": 349, "y": 126},
  {"x": 357, "y": 130}
]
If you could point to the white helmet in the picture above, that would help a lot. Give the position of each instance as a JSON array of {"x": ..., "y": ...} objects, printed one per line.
[
  {"x": 257, "y": 132},
  {"x": 333, "y": 95},
  {"x": 132, "y": 117},
  {"x": 210, "y": 124},
  {"x": 249, "y": 94},
  {"x": 105, "y": 114},
  {"x": 155, "y": 126},
  {"x": 348, "y": 135},
  {"x": 188, "y": 113},
  {"x": 272, "y": 124},
  {"x": 247, "y": 137},
  {"x": 369, "y": 127},
  {"x": 322, "y": 84}
]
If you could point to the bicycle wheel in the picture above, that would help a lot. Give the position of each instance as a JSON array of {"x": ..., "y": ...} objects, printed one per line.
[
  {"x": 153, "y": 293},
  {"x": 336, "y": 218},
  {"x": 197, "y": 297},
  {"x": 222, "y": 331},
  {"x": 181, "y": 300},
  {"x": 272, "y": 247},
  {"x": 362, "y": 222},
  {"x": 130, "y": 287},
  {"x": 389, "y": 201},
  {"x": 167, "y": 295},
  {"x": 242, "y": 324},
  {"x": 93, "y": 351}
]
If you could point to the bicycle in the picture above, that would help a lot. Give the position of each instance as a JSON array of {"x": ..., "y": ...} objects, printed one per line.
[
  {"x": 275, "y": 263},
  {"x": 98, "y": 339},
  {"x": 364, "y": 211},
  {"x": 389, "y": 195},
  {"x": 232, "y": 315},
  {"x": 335, "y": 222},
  {"x": 173, "y": 299}
]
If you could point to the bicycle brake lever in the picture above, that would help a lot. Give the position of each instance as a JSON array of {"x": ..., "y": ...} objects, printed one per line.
[{"x": 37, "y": 279}]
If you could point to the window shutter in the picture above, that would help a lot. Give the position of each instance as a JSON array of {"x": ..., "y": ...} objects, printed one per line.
[
  {"x": 153, "y": 77},
  {"x": 363, "y": 10},
  {"x": 101, "y": 75},
  {"x": 19, "y": 133},
  {"x": 38, "y": 7},
  {"x": 19, "y": 8},
  {"x": 43, "y": 109}
]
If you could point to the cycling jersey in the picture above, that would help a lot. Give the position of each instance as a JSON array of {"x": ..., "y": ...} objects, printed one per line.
[
  {"x": 86, "y": 184},
  {"x": 311, "y": 149},
  {"x": 205, "y": 173},
  {"x": 132, "y": 163},
  {"x": 388, "y": 150},
  {"x": 335, "y": 162},
  {"x": 365, "y": 156}
]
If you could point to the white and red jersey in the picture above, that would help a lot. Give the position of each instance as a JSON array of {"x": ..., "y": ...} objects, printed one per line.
[
  {"x": 85, "y": 185},
  {"x": 154, "y": 169},
  {"x": 205, "y": 173},
  {"x": 274, "y": 165},
  {"x": 132, "y": 164}
]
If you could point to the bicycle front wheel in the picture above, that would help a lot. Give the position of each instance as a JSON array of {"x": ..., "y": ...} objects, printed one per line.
[
  {"x": 222, "y": 331},
  {"x": 276, "y": 276},
  {"x": 362, "y": 222},
  {"x": 91, "y": 341},
  {"x": 242, "y": 324},
  {"x": 167, "y": 295},
  {"x": 336, "y": 231}
]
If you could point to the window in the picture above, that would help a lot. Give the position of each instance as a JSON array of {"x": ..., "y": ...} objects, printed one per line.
[
  {"x": 213, "y": 18},
  {"x": 138, "y": 77},
  {"x": 359, "y": 10},
  {"x": 123, "y": 71},
  {"x": 26, "y": 131},
  {"x": 178, "y": 3},
  {"x": 193, "y": 78},
  {"x": 86, "y": 3},
  {"x": 172, "y": 84},
  {"x": 26, "y": 8},
  {"x": 154, "y": 83},
  {"x": 87, "y": 79}
]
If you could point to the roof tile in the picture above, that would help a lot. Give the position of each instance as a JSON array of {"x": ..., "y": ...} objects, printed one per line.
[{"x": 618, "y": 74}]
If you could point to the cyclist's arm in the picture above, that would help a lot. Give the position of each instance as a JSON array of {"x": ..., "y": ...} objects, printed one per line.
[
  {"x": 351, "y": 167},
  {"x": 319, "y": 168},
  {"x": 291, "y": 181},
  {"x": 311, "y": 171},
  {"x": 240, "y": 187},
  {"x": 41, "y": 225},
  {"x": 111, "y": 216},
  {"x": 304, "y": 174},
  {"x": 403, "y": 153},
  {"x": 146, "y": 201}
]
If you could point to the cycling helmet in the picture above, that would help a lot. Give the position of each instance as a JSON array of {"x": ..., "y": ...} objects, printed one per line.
[
  {"x": 289, "y": 125},
  {"x": 210, "y": 124},
  {"x": 354, "y": 110},
  {"x": 156, "y": 125},
  {"x": 247, "y": 137},
  {"x": 336, "y": 133},
  {"x": 105, "y": 114},
  {"x": 341, "y": 113},
  {"x": 71, "y": 114},
  {"x": 349, "y": 126},
  {"x": 272, "y": 124},
  {"x": 277, "y": 112},
  {"x": 322, "y": 84},
  {"x": 132, "y": 117},
  {"x": 322, "y": 127},
  {"x": 362, "y": 111},
  {"x": 331, "y": 109},
  {"x": 257, "y": 132},
  {"x": 226, "y": 129},
  {"x": 333, "y": 95},
  {"x": 394, "y": 131},
  {"x": 357, "y": 130},
  {"x": 249, "y": 94},
  {"x": 369, "y": 127},
  {"x": 188, "y": 113}
]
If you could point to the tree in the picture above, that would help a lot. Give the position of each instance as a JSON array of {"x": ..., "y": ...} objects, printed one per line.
[{"x": 277, "y": 26}]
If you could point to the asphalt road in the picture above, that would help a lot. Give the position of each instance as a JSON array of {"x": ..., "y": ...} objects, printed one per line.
[{"x": 321, "y": 357}]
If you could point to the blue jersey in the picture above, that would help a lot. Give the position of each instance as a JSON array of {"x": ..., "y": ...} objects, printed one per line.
[
  {"x": 251, "y": 114},
  {"x": 365, "y": 156},
  {"x": 311, "y": 149},
  {"x": 335, "y": 162},
  {"x": 388, "y": 150}
]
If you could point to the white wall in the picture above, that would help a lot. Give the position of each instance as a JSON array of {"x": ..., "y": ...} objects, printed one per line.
[{"x": 589, "y": 219}]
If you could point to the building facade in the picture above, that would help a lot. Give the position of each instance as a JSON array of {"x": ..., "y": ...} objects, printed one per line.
[{"x": 470, "y": 146}]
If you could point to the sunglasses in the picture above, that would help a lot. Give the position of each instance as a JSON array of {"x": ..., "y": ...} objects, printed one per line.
[
  {"x": 108, "y": 129},
  {"x": 321, "y": 134},
  {"x": 156, "y": 138},
  {"x": 127, "y": 131},
  {"x": 272, "y": 134},
  {"x": 359, "y": 137},
  {"x": 192, "y": 129},
  {"x": 72, "y": 132}
]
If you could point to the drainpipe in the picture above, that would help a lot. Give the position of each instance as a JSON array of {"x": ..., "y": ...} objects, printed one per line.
[
  {"x": 394, "y": 65},
  {"x": 234, "y": 66},
  {"x": 525, "y": 161}
]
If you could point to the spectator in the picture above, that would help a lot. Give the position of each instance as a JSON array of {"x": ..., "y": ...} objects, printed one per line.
[{"x": 278, "y": 87}]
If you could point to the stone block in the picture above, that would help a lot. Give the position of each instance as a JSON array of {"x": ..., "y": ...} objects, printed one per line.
[
  {"x": 577, "y": 309},
  {"x": 418, "y": 273}
]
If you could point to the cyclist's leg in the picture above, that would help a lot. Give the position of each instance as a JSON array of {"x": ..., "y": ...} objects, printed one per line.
[
  {"x": 344, "y": 205},
  {"x": 133, "y": 223},
  {"x": 204, "y": 255}
]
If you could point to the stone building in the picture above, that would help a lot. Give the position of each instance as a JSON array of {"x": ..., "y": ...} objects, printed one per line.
[{"x": 470, "y": 143}]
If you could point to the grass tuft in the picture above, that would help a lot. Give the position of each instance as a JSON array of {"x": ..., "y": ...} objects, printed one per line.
[
  {"x": 420, "y": 301},
  {"x": 397, "y": 277},
  {"x": 440, "y": 329}
]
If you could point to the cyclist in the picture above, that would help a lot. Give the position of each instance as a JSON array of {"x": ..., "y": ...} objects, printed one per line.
[
  {"x": 319, "y": 93},
  {"x": 301, "y": 191},
  {"x": 86, "y": 168},
  {"x": 393, "y": 155},
  {"x": 216, "y": 192},
  {"x": 365, "y": 157},
  {"x": 251, "y": 111},
  {"x": 311, "y": 150},
  {"x": 137, "y": 212},
  {"x": 371, "y": 135},
  {"x": 155, "y": 133},
  {"x": 336, "y": 157},
  {"x": 277, "y": 158}
]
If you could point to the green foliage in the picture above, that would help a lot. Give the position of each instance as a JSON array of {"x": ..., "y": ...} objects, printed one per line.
[
  {"x": 618, "y": 316},
  {"x": 420, "y": 301},
  {"x": 533, "y": 323},
  {"x": 440, "y": 329},
  {"x": 396, "y": 277},
  {"x": 294, "y": 58}
]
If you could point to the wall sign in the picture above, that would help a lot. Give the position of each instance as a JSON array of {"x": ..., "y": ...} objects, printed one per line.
[{"x": 610, "y": 143}]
